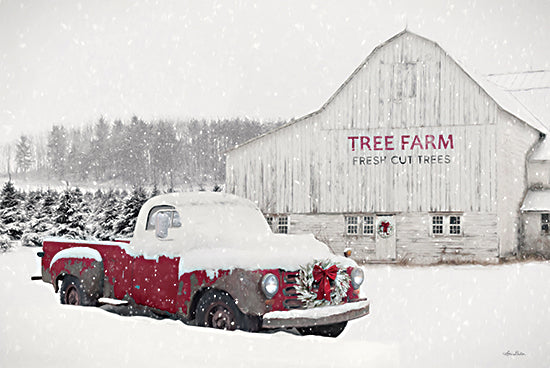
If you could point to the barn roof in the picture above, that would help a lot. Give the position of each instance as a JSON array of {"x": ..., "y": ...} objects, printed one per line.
[
  {"x": 532, "y": 89},
  {"x": 522, "y": 81},
  {"x": 503, "y": 98},
  {"x": 536, "y": 201},
  {"x": 542, "y": 151}
]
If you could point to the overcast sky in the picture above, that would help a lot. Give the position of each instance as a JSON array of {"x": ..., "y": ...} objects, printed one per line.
[{"x": 70, "y": 62}]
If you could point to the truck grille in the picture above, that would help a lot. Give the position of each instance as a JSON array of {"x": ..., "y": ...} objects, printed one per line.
[{"x": 290, "y": 300}]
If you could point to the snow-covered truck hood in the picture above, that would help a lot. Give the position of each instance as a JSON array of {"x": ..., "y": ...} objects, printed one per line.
[{"x": 221, "y": 231}]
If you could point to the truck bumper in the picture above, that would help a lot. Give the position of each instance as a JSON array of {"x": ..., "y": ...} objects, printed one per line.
[{"x": 316, "y": 316}]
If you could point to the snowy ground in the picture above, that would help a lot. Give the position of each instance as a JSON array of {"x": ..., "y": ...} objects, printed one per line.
[{"x": 467, "y": 316}]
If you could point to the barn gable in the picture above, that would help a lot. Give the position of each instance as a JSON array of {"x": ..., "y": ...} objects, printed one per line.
[
  {"x": 415, "y": 77},
  {"x": 408, "y": 82}
]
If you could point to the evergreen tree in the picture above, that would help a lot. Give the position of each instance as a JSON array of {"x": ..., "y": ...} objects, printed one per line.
[
  {"x": 124, "y": 226},
  {"x": 9, "y": 197},
  {"x": 99, "y": 157},
  {"x": 116, "y": 151},
  {"x": 12, "y": 216},
  {"x": 31, "y": 207},
  {"x": 69, "y": 218},
  {"x": 23, "y": 155},
  {"x": 57, "y": 150},
  {"x": 97, "y": 206},
  {"x": 165, "y": 153},
  {"x": 32, "y": 202},
  {"x": 43, "y": 223},
  {"x": 135, "y": 156},
  {"x": 106, "y": 216}
]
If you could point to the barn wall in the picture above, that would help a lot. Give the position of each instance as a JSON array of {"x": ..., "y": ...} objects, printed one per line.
[
  {"x": 308, "y": 167},
  {"x": 538, "y": 173},
  {"x": 515, "y": 142},
  {"x": 534, "y": 240},
  {"x": 479, "y": 241}
]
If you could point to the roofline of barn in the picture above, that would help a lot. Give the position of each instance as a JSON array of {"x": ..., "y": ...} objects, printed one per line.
[{"x": 535, "y": 123}]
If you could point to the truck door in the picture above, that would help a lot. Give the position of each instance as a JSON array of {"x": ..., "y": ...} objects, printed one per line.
[
  {"x": 154, "y": 282},
  {"x": 155, "y": 279}
]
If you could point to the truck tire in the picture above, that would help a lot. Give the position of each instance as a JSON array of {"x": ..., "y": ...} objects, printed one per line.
[
  {"x": 217, "y": 309},
  {"x": 324, "y": 330},
  {"x": 73, "y": 293}
]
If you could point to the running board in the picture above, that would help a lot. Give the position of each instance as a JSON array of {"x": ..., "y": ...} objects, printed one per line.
[{"x": 111, "y": 301}]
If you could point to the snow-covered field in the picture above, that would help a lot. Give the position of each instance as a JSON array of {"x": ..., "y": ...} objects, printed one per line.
[{"x": 451, "y": 316}]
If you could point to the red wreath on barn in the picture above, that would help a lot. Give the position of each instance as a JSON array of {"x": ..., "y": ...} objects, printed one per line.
[{"x": 385, "y": 229}]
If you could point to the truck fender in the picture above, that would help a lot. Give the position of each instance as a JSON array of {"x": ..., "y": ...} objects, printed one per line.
[
  {"x": 244, "y": 287},
  {"x": 82, "y": 262}
]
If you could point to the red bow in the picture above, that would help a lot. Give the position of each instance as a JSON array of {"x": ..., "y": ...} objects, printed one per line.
[
  {"x": 385, "y": 225},
  {"x": 323, "y": 277}
]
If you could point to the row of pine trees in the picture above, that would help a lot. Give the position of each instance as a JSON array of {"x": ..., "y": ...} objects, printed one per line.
[{"x": 71, "y": 213}]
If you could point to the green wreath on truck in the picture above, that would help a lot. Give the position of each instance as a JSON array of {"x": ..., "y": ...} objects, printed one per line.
[{"x": 320, "y": 274}]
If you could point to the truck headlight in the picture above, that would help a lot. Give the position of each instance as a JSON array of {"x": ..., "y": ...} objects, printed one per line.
[
  {"x": 270, "y": 285},
  {"x": 357, "y": 277}
]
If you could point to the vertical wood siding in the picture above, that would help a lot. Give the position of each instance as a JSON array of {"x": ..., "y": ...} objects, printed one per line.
[
  {"x": 409, "y": 86},
  {"x": 517, "y": 141}
]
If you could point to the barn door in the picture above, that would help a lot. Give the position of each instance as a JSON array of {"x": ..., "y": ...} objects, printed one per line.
[{"x": 385, "y": 238}]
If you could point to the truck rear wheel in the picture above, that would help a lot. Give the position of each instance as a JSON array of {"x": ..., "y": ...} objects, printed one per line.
[
  {"x": 325, "y": 330},
  {"x": 73, "y": 293}
]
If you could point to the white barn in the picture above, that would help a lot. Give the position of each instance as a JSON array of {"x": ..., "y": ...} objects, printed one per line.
[{"x": 412, "y": 159}]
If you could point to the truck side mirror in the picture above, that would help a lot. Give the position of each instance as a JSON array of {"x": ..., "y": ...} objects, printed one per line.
[{"x": 162, "y": 224}]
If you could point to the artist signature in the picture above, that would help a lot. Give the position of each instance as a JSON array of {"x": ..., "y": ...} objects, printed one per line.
[{"x": 514, "y": 353}]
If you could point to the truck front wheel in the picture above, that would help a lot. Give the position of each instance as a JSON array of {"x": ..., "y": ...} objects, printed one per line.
[
  {"x": 325, "y": 330},
  {"x": 73, "y": 293},
  {"x": 217, "y": 309}
]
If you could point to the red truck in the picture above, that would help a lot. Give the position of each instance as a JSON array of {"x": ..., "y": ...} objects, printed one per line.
[{"x": 211, "y": 259}]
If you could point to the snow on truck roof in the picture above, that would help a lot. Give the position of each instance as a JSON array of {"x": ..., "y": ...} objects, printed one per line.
[
  {"x": 223, "y": 231},
  {"x": 199, "y": 199}
]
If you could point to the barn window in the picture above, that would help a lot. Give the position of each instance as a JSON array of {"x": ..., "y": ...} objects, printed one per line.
[
  {"x": 437, "y": 225},
  {"x": 359, "y": 225},
  {"x": 446, "y": 225},
  {"x": 282, "y": 226},
  {"x": 454, "y": 225},
  {"x": 404, "y": 81},
  {"x": 544, "y": 223},
  {"x": 368, "y": 225},
  {"x": 278, "y": 223},
  {"x": 351, "y": 225}
]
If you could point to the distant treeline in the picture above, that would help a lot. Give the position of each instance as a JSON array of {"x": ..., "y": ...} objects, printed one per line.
[{"x": 162, "y": 153}]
